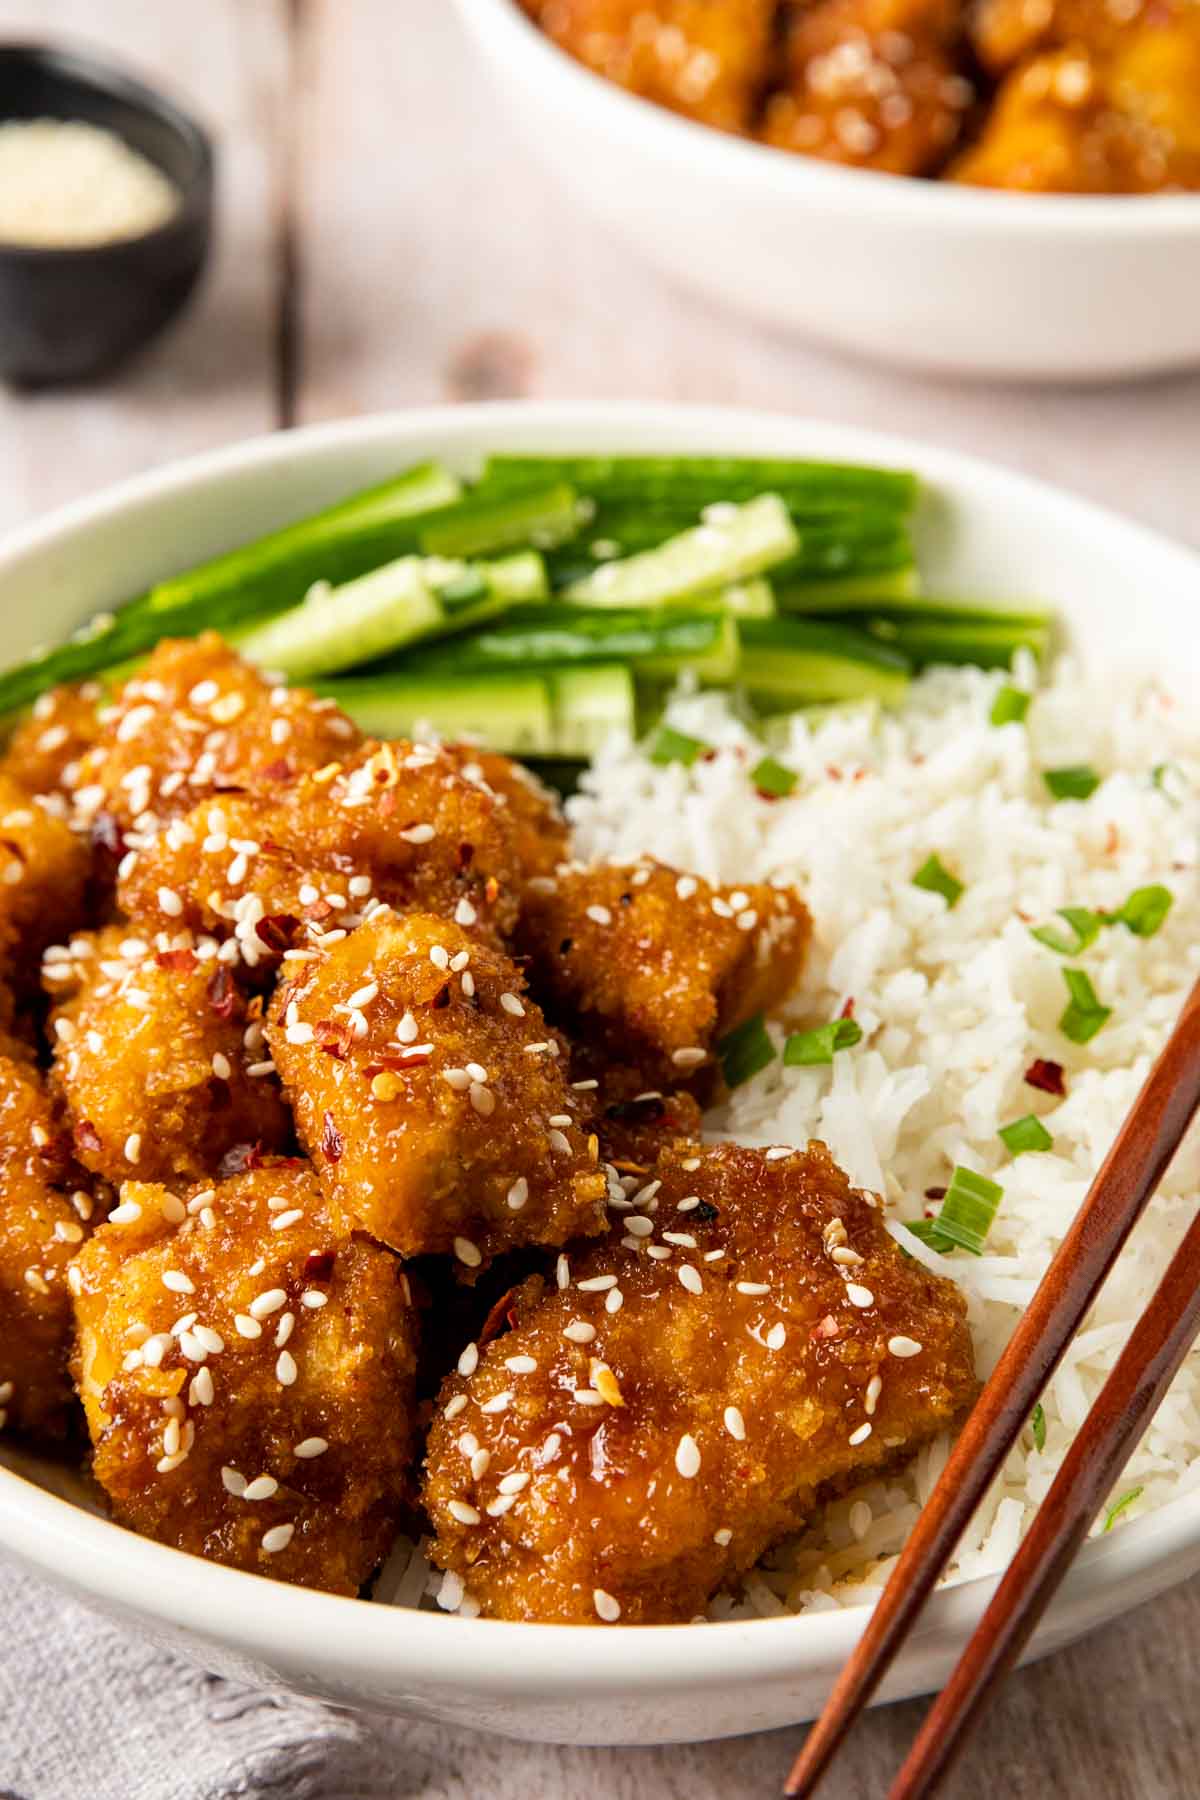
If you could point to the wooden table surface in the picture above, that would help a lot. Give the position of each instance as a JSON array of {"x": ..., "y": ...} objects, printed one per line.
[{"x": 383, "y": 242}]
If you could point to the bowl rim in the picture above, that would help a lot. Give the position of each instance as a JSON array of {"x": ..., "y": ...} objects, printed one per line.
[
  {"x": 527, "y": 55},
  {"x": 96, "y": 1557},
  {"x": 79, "y": 64}
]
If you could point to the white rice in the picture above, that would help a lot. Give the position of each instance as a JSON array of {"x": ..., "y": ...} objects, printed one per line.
[{"x": 954, "y": 1006}]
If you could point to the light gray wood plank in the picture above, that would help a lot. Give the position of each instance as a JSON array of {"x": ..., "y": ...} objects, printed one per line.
[
  {"x": 212, "y": 378},
  {"x": 442, "y": 262}
]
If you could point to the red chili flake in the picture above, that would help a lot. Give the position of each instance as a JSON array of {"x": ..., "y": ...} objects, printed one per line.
[
  {"x": 277, "y": 930},
  {"x": 498, "y": 1316},
  {"x": 318, "y": 1265},
  {"x": 935, "y": 1193},
  {"x": 282, "y": 770},
  {"x": 466, "y": 856},
  {"x": 833, "y": 772},
  {"x": 334, "y": 1037},
  {"x": 222, "y": 995},
  {"x": 182, "y": 961},
  {"x": 827, "y": 1327},
  {"x": 764, "y": 794},
  {"x": 491, "y": 890},
  {"x": 847, "y": 1011},
  {"x": 238, "y": 1159},
  {"x": 332, "y": 1141},
  {"x": 1112, "y": 840},
  {"x": 86, "y": 1135},
  {"x": 1046, "y": 1076},
  {"x": 320, "y": 909},
  {"x": 709, "y": 756}
]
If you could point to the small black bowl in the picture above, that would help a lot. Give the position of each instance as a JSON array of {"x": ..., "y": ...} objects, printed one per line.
[{"x": 67, "y": 314}]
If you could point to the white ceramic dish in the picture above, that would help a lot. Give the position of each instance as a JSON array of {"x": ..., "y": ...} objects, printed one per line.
[
  {"x": 1121, "y": 592},
  {"x": 924, "y": 273}
]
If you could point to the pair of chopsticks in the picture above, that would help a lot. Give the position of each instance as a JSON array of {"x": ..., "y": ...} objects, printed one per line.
[{"x": 1128, "y": 1177}]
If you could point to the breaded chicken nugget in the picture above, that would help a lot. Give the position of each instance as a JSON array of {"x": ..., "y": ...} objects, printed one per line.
[
  {"x": 44, "y": 870},
  {"x": 533, "y": 811},
  {"x": 45, "y": 748},
  {"x": 430, "y": 1095},
  {"x": 246, "y": 1364},
  {"x": 650, "y": 965},
  {"x": 686, "y": 1394}
]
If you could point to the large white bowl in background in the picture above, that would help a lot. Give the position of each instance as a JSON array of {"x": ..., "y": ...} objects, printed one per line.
[
  {"x": 1121, "y": 592},
  {"x": 957, "y": 279}
]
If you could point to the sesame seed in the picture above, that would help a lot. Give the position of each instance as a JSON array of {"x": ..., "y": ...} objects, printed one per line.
[
  {"x": 902, "y": 1346},
  {"x": 233, "y": 1483},
  {"x": 871, "y": 1397},
  {"x": 480, "y": 1463},
  {"x": 125, "y": 1214},
  {"x": 859, "y": 1296},
  {"x": 498, "y": 1402},
  {"x": 459, "y": 962},
  {"x": 407, "y": 1030},
  {"x": 845, "y": 1257},
  {"x": 439, "y": 956},
  {"x": 614, "y": 1300},
  {"x": 464, "y": 913},
  {"x": 482, "y": 1099},
  {"x": 682, "y": 1238},
  {"x": 282, "y": 1220},
  {"x": 686, "y": 886},
  {"x": 688, "y": 1058},
  {"x": 169, "y": 902},
  {"x": 285, "y": 1368},
  {"x": 559, "y": 1143},
  {"x": 597, "y": 1284},
  {"x": 476, "y": 1071},
  {"x": 261, "y": 1488},
  {"x": 418, "y": 834},
  {"x": 468, "y": 1362},
  {"x": 521, "y": 1365},
  {"x": 607, "y": 1608},
  {"x": 458, "y": 1079},
  {"x": 309, "y": 1447},
  {"x": 359, "y": 886},
  {"x": 467, "y": 1252},
  {"x": 465, "y": 1515},
  {"x": 247, "y": 1327},
  {"x": 178, "y": 1282},
  {"x": 589, "y": 1396},
  {"x": 562, "y": 1272},
  {"x": 512, "y": 1005},
  {"x": 599, "y": 915},
  {"x": 284, "y": 1329},
  {"x": 133, "y": 1146},
  {"x": 778, "y": 1152},
  {"x": 363, "y": 996},
  {"x": 495, "y": 1509},
  {"x": 269, "y": 1301},
  {"x": 638, "y": 1225},
  {"x": 517, "y": 1194},
  {"x": 278, "y": 1538},
  {"x": 313, "y": 1298},
  {"x": 212, "y": 1340},
  {"x": 860, "y": 1436},
  {"x": 171, "y": 1438},
  {"x": 200, "y": 1392},
  {"x": 723, "y": 1536},
  {"x": 579, "y": 1331},
  {"x": 689, "y": 1278},
  {"x": 776, "y": 1338},
  {"x": 687, "y": 1456},
  {"x": 456, "y": 1404}
]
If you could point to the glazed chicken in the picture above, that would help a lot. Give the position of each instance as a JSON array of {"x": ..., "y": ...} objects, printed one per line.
[
  {"x": 652, "y": 965},
  {"x": 431, "y": 1096},
  {"x": 44, "y": 871},
  {"x": 246, "y": 1363},
  {"x": 682, "y": 1395}
]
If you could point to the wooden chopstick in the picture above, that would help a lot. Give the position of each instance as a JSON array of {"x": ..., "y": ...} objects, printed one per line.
[
  {"x": 1128, "y": 1176},
  {"x": 1127, "y": 1402}
]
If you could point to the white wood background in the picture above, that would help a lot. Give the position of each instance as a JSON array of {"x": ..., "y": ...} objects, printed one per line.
[{"x": 383, "y": 242}]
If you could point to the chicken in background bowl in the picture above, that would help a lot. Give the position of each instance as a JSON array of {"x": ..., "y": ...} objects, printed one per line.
[{"x": 1063, "y": 96}]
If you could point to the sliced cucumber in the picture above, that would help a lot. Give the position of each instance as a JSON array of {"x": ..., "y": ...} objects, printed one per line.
[
  {"x": 650, "y": 481},
  {"x": 588, "y": 705},
  {"x": 482, "y": 525},
  {"x": 849, "y": 593},
  {"x": 339, "y": 628},
  {"x": 755, "y": 537},
  {"x": 506, "y": 712},
  {"x": 655, "y": 640},
  {"x": 796, "y": 662},
  {"x": 957, "y": 635}
]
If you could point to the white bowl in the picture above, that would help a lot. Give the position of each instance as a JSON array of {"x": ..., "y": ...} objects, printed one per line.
[
  {"x": 1121, "y": 592},
  {"x": 930, "y": 274}
]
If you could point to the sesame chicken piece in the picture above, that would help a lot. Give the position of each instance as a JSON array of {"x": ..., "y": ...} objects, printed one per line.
[
  {"x": 707, "y": 59},
  {"x": 395, "y": 823},
  {"x": 153, "y": 1048},
  {"x": 873, "y": 83},
  {"x": 1004, "y": 32},
  {"x": 45, "y": 747},
  {"x": 430, "y": 1094},
  {"x": 686, "y": 1395},
  {"x": 633, "y": 1122},
  {"x": 246, "y": 1364},
  {"x": 533, "y": 811},
  {"x": 197, "y": 720},
  {"x": 44, "y": 869},
  {"x": 650, "y": 965},
  {"x": 42, "y": 1224},
  {"x": 1122, "y": 122}
]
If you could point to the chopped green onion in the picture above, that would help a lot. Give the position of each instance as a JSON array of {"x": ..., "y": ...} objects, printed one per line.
[
  {"x": 808, "y": 1049},
  {"x": 1025, "y": 1134},
  {"x": 966, "y": 1214},
  {"x": 671, "y": 746},
  {"x": 770, "y": 777},
  {"x": 1085, "y": 925},
  {"x": 1076, "y": 783},
  {"x": 744, "y": 1051},
  {"x": 1114, "y": 1512},
  {"x": 1010, "y": 705},
  {"x": 1037, "y": 1424},
  {"x": 936, "y": 878},
  {"x": 1145, "y": 910},
  {"x": 1084, "y": 1014},
  {"x": 1164, "y": 776}
]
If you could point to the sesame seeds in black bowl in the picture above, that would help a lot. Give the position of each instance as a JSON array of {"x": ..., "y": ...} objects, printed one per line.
[{"x": 106, "y": 192}]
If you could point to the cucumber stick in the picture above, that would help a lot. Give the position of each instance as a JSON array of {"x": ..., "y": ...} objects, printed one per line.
[
  {"x": 588, "y": 705},
  {"x": 650, "y": 481},
  {"x": 338, "y": 628},
  {"x": 656, "y": 641},
  {"x": 797, "y": 662},
  {"x": 755, "y": 537}
]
